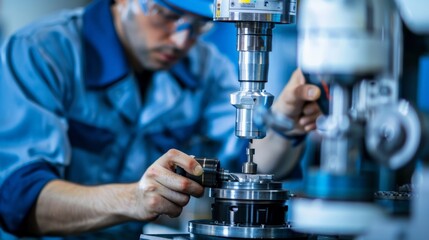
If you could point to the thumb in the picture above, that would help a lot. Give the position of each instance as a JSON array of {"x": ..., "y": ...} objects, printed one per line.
[
  {"x": 307, "y": 92},
  {"x": 295, "y": 95}
]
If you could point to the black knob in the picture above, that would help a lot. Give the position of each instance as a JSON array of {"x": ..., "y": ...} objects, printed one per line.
[{"x": 210, "y": 176}]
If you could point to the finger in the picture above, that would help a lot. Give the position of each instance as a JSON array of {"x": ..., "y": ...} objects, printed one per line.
[
  {"x": 166, "y": 207},
  {"x": 158, "y": 205},
  {"x": 287, "y": 102},
  {"x": 175, "y": 197},
  {"x": 174, "y": 158},
  {"x": 307, "y": 92},
  {"x": 173, "y": 181},
  {"x": 295, "y": 80},
  {"x": 311, "y": 108},
  {"x": 310, "y": 127},
  {"x": 295, "y": 95},
  {"x": 306, "y": 120}
]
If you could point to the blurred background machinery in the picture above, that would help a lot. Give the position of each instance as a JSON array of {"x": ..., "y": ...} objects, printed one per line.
[
  {"x": 357, "y": 175},
  {"x": 30, "y": 10},
  {"x": 368, "y": 134}
]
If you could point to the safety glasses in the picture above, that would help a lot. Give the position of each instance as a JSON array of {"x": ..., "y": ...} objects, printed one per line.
[{"x": 172, "y": 19}]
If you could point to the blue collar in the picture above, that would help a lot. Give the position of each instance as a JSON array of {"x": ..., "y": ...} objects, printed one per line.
[
  {"x": 106, "y": 62},
  {"x": 105, "y": 57}
]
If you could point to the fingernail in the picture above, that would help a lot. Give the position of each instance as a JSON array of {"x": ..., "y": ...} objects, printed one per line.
[
  {"x": 198, "y": 170},
  {"x": 311, "y": 92}
]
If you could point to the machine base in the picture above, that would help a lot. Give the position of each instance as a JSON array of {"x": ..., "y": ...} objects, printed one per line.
[{"x": 209, "y": 229}]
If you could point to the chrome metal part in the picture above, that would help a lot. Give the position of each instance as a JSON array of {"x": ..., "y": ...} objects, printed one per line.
[
  {"x": 342, "y": 135},
  {"x": 249, "y": 166},
  {"x": 394, "y": 134},
  {"x": 278, "y": 11},
  {"x": 251, "y": 178},
  {"x": 212, "y": 228},
  {"x": 254, "y": 45},
  {"x": 225, "y": 175},
  {"x": 271, "y": 192},
  {"x": 252, "y": 206},
  {"x": 254, "y": 21}
]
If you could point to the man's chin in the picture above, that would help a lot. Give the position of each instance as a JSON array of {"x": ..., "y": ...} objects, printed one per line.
[
  {"x": 163, "y": 65},
  {"x": 158, "y": 64}
]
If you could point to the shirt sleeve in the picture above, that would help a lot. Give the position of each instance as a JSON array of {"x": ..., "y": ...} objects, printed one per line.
[
  {"x": 33, "y": 128},
  {"x": 20, "y": 191}
]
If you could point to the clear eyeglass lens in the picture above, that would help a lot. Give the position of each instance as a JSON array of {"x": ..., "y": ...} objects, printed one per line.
[{"x": 172, "y": 20}]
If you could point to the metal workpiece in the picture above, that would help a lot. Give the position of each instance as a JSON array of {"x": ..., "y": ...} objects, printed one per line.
[
  {"x": 249, "y": 166},
  {"x": 251, "y": 178}
]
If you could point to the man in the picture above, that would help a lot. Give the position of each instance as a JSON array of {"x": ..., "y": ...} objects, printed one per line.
[{"x": 95, "y": 103}]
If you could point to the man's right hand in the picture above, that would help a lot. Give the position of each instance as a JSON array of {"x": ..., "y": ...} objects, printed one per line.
[
  {"x": 162, "y": 191},
  {"x": 159, "y": 191}
]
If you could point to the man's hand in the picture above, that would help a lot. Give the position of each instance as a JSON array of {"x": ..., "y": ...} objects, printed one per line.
[
  {"x": 161, "y": 191},
  {"x": 88, "y": 208},
  {"x": 297, "y": 101},
  {"x": 274, "y": 153}
]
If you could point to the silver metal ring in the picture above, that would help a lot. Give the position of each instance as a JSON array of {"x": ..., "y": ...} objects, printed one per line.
[{"x": 210, "y": 228}]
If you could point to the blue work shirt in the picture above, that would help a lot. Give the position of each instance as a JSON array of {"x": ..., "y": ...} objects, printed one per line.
[{"x": 72, "y": 108}]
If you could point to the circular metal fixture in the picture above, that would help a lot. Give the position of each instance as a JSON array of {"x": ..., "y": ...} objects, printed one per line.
[{"x": 202, "y": 228}]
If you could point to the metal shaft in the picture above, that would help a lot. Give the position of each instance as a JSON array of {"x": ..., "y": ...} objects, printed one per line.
[
  {"x": 253, "y": 44},
  {"x": 249, "y": 166}
]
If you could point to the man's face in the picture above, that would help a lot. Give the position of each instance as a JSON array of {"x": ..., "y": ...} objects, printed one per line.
[{"x": 151, "y": 33}]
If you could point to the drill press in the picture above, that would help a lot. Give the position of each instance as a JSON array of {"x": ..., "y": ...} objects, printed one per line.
[{"x": 249, "y": 205}]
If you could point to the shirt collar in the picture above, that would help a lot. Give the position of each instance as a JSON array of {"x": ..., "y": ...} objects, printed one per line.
[
  {"x": 106, "y": 62},
  {"x": 105, "y": 57}
]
